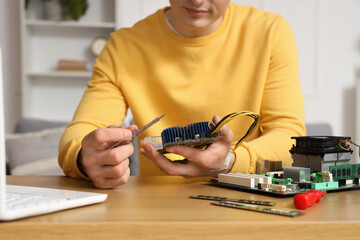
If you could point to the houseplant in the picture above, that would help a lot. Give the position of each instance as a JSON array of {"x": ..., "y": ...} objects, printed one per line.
[
  {"x": 57, "y": 9},
  {"x": 75, "y": 8}
]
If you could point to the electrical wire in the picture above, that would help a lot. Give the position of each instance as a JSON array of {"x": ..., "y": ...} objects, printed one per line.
[
  {"x": 347, "y": 143},
  {"x": 232, "y": 116}
]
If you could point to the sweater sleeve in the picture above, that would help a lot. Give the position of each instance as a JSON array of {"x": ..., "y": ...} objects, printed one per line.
[
  {"x": 102, "y": 104},
  {"x": 282, "y": 107}
]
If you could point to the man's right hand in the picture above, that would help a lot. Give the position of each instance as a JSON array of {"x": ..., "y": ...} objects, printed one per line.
[{"x": 106, "y": 168}]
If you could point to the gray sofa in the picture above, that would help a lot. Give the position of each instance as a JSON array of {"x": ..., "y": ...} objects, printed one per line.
[{"x": 33, "y": 148}]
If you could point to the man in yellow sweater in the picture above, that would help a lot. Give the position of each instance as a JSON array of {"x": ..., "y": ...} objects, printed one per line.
[{"x": 191, "y": 61}]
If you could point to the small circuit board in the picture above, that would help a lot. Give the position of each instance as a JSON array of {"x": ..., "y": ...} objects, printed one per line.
[
  {"x": 257, "y": 208},
  {"x": 199, "y": 134},
  {"x": 319, "y": 163},
  {"x": 274, "y": 193},
  {"x": 198, "y": 142},
  {"x": 268, "y": 185},
  {"x": 195, "y": 135},
  {"x": 247, "y": 204},
  {"x": 247, "y": 201}
]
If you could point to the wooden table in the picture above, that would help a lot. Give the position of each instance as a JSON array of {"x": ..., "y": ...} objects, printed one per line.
[{"x": 159, "y": 208}]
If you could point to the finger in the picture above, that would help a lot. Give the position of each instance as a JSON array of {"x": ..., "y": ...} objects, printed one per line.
[
  {"x": 131, "y": 127},
  {"x": 105, "y": 136},
  {"x": 225, "y": 131},
  {"x": 203, "y": 159},
  {"x": 115, "y": 171},
  {"x": 106, "y": 183},
  {"x": 117, "y": 155},
  {"x": 114, "y": 126},
  {"x": 108, "y": 171},
  {"x": 167, "y": 166},
  {"x": 114, "y": 182},
  {"x": 187, "y": 152},
  {"x": 216, "y": 119},
  {"x": 99, "y": 173}
]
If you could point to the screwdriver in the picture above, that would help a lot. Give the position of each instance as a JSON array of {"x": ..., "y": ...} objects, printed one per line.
[
  {"x": 135, "y": 133},
  {"x": 307, "y": 199}
]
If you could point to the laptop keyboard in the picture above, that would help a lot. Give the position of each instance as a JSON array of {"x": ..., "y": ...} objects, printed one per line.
[{"x": 16, "y": 201}]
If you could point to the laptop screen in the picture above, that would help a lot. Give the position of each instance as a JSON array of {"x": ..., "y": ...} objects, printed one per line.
[{"x": 2, "y": 141}]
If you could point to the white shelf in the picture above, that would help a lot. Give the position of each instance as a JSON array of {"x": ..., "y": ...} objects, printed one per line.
[
  {"x": 52, "y": 74},
  {"x": 46, "y": 92},
  {"x": 73, "y": 24}
]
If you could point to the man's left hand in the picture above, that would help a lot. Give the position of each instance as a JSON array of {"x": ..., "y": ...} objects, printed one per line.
[{"x": 208, "y": 162}]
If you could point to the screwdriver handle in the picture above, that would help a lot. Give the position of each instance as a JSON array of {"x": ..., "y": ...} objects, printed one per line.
[{"x": 305, "y": 200}]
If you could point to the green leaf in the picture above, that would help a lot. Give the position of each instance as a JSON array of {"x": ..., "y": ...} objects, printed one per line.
[{"x": 77, "y": 8}]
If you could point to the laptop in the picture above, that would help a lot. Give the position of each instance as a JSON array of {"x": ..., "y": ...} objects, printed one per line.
[{"x": 20, "y": 201}]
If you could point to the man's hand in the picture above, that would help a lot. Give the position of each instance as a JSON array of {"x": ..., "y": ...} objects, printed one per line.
[
  {"x": 107, "y": 168},
  {"x": 208, "y": 162}
]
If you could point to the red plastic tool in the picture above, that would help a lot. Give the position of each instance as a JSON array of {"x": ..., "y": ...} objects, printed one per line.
[{"x": 305, "y": 200}]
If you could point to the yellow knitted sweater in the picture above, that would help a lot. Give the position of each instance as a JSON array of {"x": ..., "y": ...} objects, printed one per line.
[{"x": 248, "y": 64}]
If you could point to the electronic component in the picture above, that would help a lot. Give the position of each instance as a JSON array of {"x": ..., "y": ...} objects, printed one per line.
[
  {"x": 244, "y": 179},
  {"x": 200, "y": 134},
  {"x": 193, "y": 135},
  {"x": 325, "y": 185},
  {"x": 320, "y": 152},
  {"x": 268, "y": 166},
  {"x": 327, "y": 176},
  {"x": 316, "y": 145},
  {"x": 348, "y": 171},
  {"x": 246, "y": 204},
  {"x": 305, "y": 172},
  {"x": 297, "y": 174},
  {"x": 277, "y": 187},
  {"x": 256, "y": 182},
  {"x": 304, "y": 185},
  {"x": 247, "y": 182},
  {"x": 257, "y": 208},
  {"x": 247, "y": 201},
  {"x": 283, "y": 181}
]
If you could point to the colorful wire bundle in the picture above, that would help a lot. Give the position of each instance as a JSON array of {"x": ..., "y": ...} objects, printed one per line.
[{"x": 346, "y": 144}]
